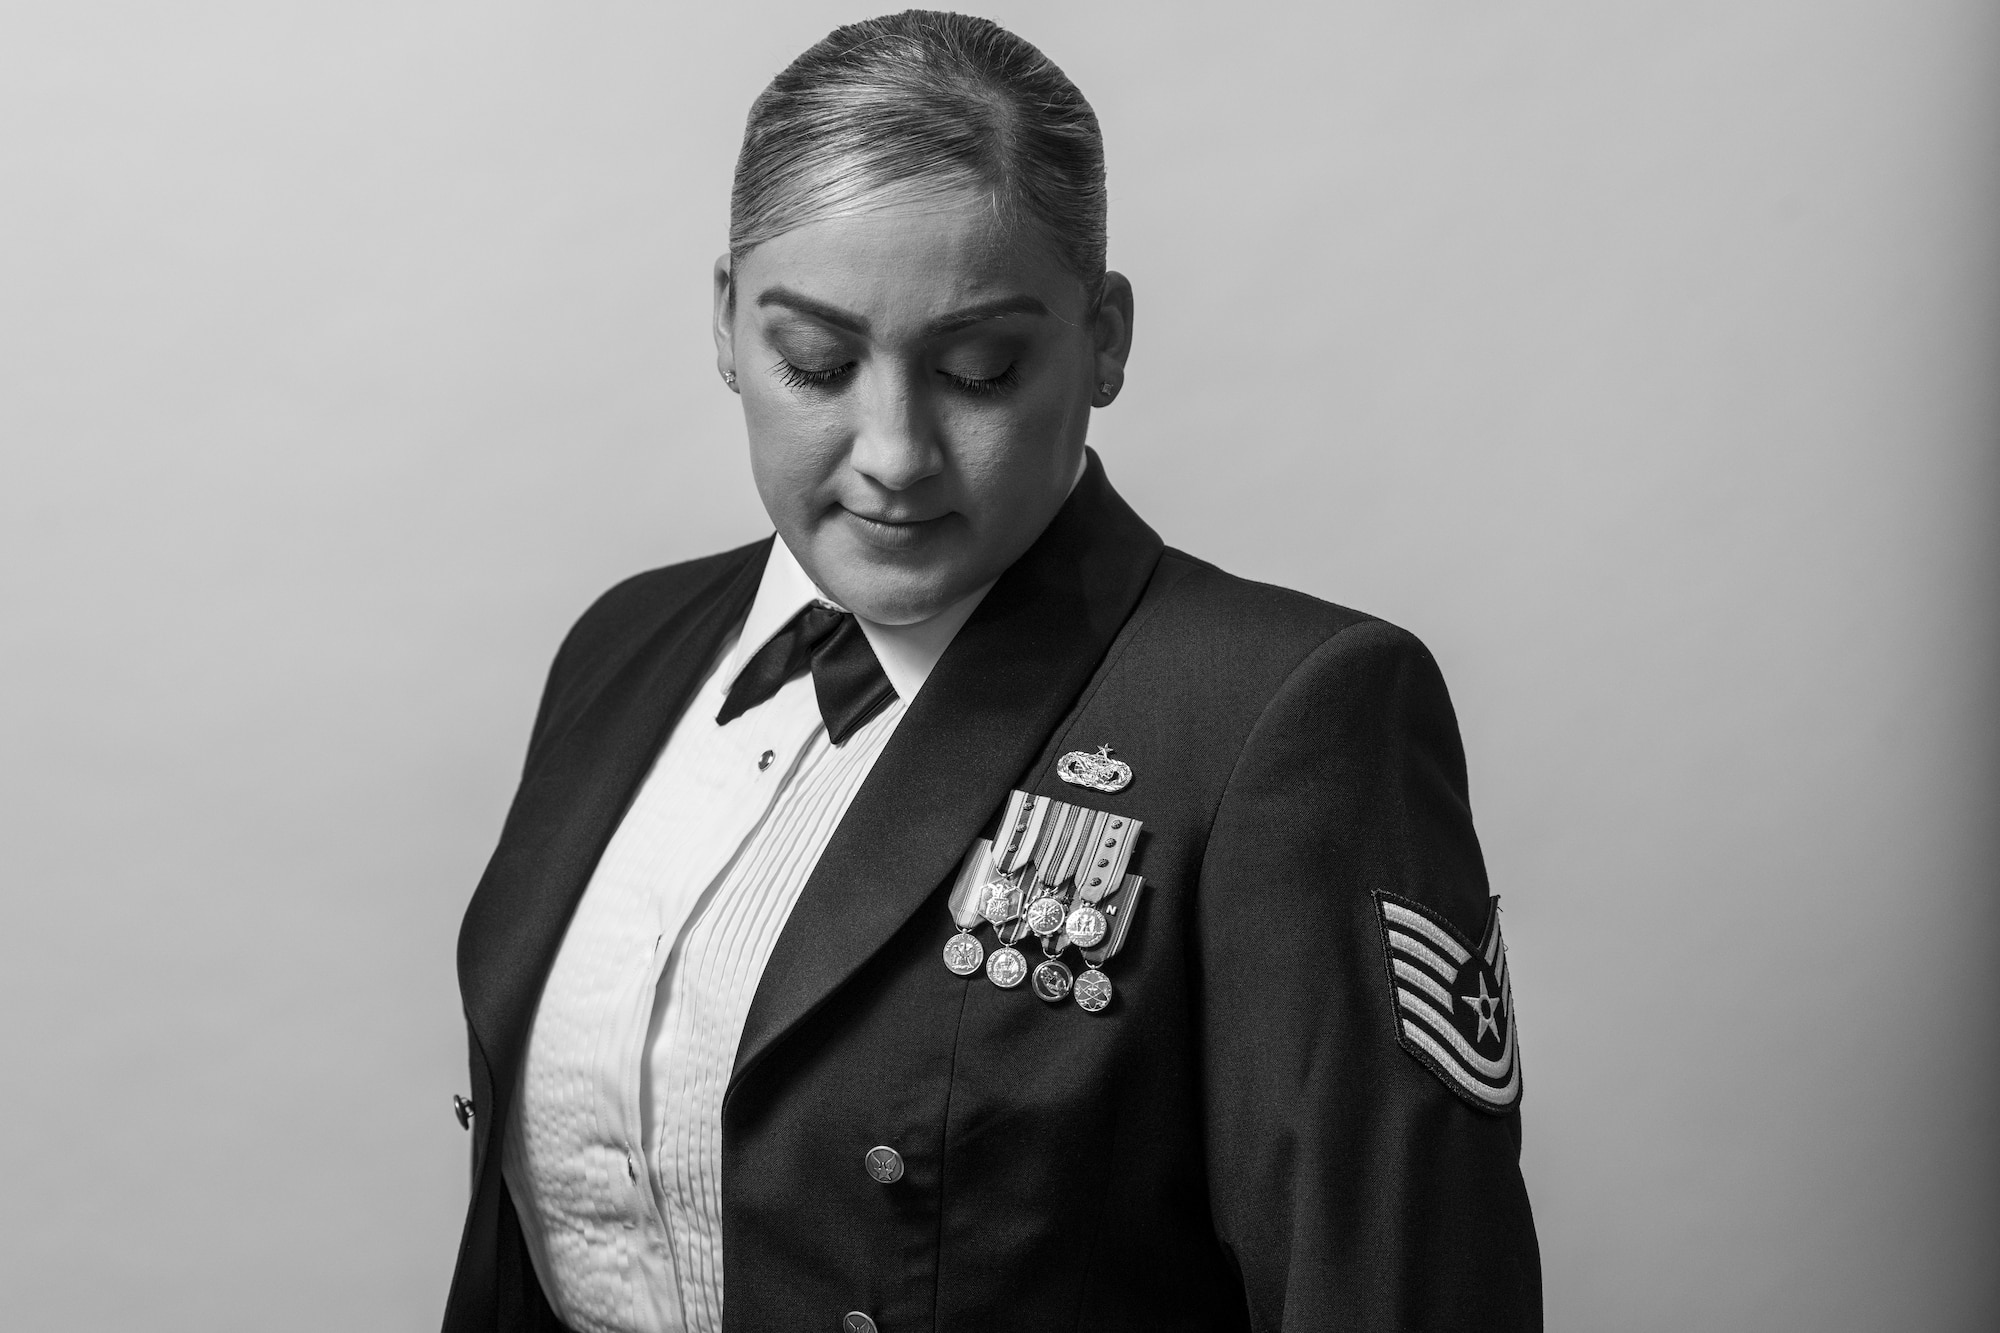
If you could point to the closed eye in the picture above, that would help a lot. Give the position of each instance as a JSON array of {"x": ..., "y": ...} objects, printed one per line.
[
  {"x": 1000, "y": 383},
  {"x": 798, "y": 377}
]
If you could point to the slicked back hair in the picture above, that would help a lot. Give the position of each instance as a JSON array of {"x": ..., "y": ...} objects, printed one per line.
[{"x": 917, "y": 104}]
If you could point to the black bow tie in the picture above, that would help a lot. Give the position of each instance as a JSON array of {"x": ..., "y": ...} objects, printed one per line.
[{"x": 846, "y": 677}]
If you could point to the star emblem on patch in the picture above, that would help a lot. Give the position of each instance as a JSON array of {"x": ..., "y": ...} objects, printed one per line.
[{"x": 1454, "y": 1002}]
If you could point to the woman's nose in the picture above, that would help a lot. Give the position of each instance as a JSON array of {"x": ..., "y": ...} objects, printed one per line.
[{"x": 896, "y": 438}]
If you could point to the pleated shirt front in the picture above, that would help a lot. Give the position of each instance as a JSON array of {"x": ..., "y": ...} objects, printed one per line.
[{"x": 614, "y": 1155}]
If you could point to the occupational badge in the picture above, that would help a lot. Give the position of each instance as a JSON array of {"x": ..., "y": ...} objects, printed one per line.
[
  {"x": 1454, "y": 1001},
  {"x": 1097, "y": 771},
  {"x": 1057, "y": 870}
]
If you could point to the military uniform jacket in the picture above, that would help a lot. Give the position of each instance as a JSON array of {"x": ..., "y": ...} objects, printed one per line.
[{"x": 1241, "y": 1140}]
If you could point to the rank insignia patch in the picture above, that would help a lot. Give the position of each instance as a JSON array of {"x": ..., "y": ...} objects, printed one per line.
[{"x": 1454, "y": 1001}]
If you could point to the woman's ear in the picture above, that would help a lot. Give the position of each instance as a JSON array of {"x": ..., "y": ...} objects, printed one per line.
[
  {"x": 1111, "y": 332},
  {"x": 725, "y": 323}
]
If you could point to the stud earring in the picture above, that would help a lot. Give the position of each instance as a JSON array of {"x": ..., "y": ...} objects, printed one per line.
[
  {"x": 1106, "y": 387},
  {"x": 729, "y": 378}
]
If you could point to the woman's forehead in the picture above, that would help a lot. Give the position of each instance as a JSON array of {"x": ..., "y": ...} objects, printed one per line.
[{"x": 909, "y": 262}]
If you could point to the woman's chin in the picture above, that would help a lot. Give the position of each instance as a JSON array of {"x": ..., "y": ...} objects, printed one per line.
[
  {"x": 896, "y": 597},
  {"x": 889, "y": 594},
  {"x": 900, "y": 582}
]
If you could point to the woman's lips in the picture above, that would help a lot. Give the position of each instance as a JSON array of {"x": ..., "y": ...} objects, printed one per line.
[{"x": 894, "y": 534}]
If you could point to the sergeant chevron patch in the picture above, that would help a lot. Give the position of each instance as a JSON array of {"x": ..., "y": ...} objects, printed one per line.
[{"x": 1454, "y": 1001}]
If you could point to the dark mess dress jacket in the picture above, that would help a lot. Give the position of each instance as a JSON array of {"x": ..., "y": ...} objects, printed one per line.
[{"x": 1270, "y": 1126}]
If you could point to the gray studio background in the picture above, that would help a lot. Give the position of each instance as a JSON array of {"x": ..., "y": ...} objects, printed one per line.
[{"x": 1642, "y": 358}]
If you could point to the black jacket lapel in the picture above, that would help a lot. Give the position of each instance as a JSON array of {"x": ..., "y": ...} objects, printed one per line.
[
  {"x": 581, "y": 778},
  {"x": 1006, "y": 681}
]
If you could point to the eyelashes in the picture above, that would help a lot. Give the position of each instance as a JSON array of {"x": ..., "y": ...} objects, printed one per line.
[
  {"x": 985, "y": 388},
  {"x": 798, "y": 377}
]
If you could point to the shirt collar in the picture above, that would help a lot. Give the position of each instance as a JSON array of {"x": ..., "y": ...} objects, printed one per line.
[{"x": 908, "y": 653}]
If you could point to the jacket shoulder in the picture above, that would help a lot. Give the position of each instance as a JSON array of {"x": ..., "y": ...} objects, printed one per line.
[
  {"x": 1208, "y": 655},
  {"x": 1259, "y": 626}
]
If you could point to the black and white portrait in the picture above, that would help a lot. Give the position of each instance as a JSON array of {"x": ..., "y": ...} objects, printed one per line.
[{"x": 1104, "y": 666}]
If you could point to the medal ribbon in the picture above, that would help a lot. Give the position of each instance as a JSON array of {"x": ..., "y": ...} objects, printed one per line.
[{"x": 1056, "y": 844}]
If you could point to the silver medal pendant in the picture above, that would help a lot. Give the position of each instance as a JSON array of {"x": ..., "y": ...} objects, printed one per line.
[
  {"x": 1052, "y": 981},
  {"x": 1093, "y": 990},
  {"x": 1086, "y": 926},
  {"x": 1000, "y": 902},
  {"x": 1006, "y": 968},
  {"x": 1045, "y": 916},
  {"x": 963, "y": 954}
]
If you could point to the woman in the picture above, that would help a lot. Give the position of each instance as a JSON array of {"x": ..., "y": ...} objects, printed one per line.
[{"x": 958, "y": 911}]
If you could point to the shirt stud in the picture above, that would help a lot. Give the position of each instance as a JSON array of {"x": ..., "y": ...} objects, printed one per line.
[{"x": 764, "y": 759}]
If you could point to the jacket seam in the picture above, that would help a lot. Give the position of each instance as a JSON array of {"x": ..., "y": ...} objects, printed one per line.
[{"x": 944, "y": 1155}]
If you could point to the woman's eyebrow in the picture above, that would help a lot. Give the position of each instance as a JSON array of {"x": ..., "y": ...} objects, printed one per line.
[
  {"x": 995, "y": 309},
  {"x": 819, "y": 310},
  {"x": 853, "y": 323}
]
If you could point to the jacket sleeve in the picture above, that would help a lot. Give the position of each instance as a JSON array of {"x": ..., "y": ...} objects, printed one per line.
[{"x": 1353, "y": 1188}]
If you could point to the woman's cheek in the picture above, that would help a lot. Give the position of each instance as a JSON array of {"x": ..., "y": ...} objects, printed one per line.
[
  {"x": 1018, "y": 434},
  {"x": 786, "y": 431}
]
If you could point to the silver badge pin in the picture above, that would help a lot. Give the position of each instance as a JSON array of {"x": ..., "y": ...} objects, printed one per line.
[{"x": 1099, "y": 772}]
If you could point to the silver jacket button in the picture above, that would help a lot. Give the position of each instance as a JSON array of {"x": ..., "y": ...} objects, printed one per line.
[
  {"x": 463, "y": 1108},
  {"x": 885, "y": 1165},
  {"x": 857, "y": 1322}
]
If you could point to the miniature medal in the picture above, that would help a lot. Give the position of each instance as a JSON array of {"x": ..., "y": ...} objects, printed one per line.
[
  {"x": 963, "y": 953},
  {"x": 1099, "y": 771},
  {"x": 1046, "y": 915},
  {"x": 1052, "y": 981},
  {"x": 1086, "y": 926},
  {"x": 1093, "y": 990},
  {"x": 1005, "y": 967},
  {"x": 1057, "y": 870},
  {"x": 1001, "y": 902}
]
